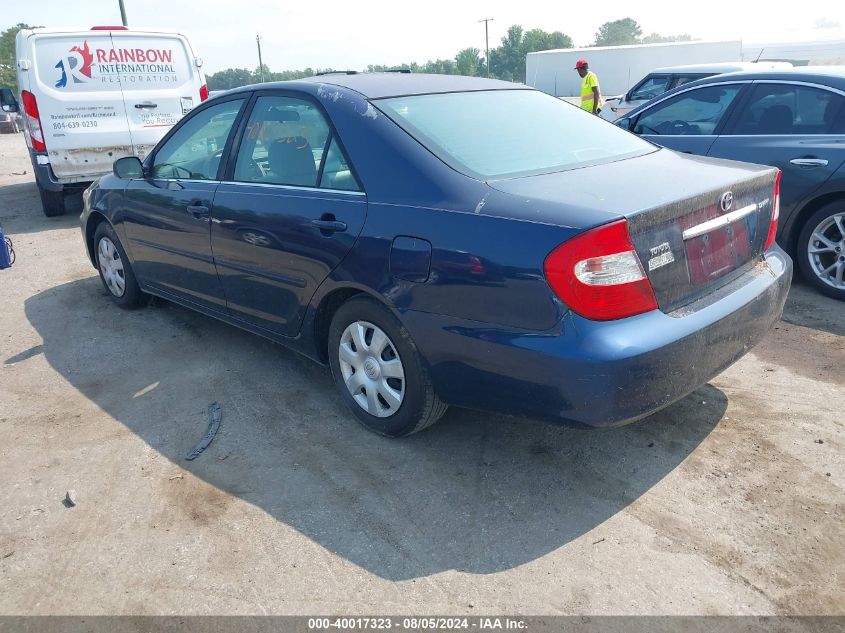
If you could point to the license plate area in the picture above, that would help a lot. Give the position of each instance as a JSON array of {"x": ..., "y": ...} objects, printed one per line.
[{"x": 716, "y": 244}]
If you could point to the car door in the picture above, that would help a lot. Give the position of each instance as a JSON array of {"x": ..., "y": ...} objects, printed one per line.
[
  {"x": 788, "y": 125},
  {"x": 690, "y": 120},
  {"x": 167, "y": 213},
  {"x": 286, "y": 215}
]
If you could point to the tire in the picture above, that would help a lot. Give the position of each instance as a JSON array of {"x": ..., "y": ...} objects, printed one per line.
[
  {"x": 403, "y": 405},
  {"x": 53, "y": 202},
  {"x": 115, "y": 270},
  {"x": 822, "y": 263}
]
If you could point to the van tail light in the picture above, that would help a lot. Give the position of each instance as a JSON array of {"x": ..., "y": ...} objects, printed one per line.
[
  {"x": 203, "y": 92},
  {"x": 33, "y": 121},
  {"x": 773, "y": 225},
  {"x": 598, "y": 274}
]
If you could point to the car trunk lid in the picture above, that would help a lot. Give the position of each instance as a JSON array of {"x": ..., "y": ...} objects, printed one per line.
[{"x": 695, "y": 222}]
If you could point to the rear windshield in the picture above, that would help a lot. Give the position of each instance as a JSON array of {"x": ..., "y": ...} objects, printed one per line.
[{"x": 509, "y": 133}]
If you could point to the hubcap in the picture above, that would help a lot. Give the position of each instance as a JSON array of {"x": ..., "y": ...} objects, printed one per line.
[
  {"x": 371, "y": 369},
  {"x": 111, "y": 267},
  {"x": 825, "y": 251}
]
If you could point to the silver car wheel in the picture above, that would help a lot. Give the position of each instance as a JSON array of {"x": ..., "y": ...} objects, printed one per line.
[
  {"x": 372, "y": 369},
  {"x": 826, "y": 251},
  {"x": 111, "y": 267}
]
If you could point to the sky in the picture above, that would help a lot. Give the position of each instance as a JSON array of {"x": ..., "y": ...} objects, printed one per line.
[{"x": 350, "y": 35}]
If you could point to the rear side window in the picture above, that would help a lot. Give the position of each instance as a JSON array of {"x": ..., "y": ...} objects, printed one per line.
[
  {"x": 194, "y": 150},
  {"x": 651, "y": 88},
  {"x": 692, "y": 113},
  {"x": 789, "y": 109},
  {"x": 284, "y": 143},
  {"x": 509, "y": 133}
]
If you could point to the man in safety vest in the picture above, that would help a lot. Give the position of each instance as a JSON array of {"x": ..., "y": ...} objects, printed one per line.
[{"x": 590, "y": 93}]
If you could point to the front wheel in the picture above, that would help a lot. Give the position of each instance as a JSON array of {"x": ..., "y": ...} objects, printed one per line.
[
  {"x": 378, "y": 370},
  {"x": 115, "y": 270},
  {"x": 821, "y": 250}
]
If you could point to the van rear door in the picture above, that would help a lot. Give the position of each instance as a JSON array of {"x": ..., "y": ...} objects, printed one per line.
[
  {"x": 161, "y": 83},
  {"x": 82, "y": 111}
]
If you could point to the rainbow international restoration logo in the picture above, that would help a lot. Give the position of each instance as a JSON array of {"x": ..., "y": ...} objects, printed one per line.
[{"x": 82, "y": 65}]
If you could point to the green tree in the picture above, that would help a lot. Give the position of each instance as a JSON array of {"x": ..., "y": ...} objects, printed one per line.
[
  {"x": 508, "y": 60},
  {"x": 8, "y": 75},
  {"x": 656, "y": 38},
  {"x": 467, "y": 62},
  {"x": 230, "y": 78},
  {"x": 539, "y": 40},
  {"x": 619, "y": 33}
]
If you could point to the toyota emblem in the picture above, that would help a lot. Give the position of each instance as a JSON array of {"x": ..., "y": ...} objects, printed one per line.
[{"x": 727, "y": 201}]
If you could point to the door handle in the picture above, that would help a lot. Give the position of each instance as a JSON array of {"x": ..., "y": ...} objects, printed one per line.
[
  {"x": 146, "y": 104},
  {"x": 198, "y": 211},
  {"x": 809, "y": 162},
  {"x": 331, "y": 226}
]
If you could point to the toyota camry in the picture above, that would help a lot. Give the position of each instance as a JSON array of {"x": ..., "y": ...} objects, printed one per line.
[{"x": 443, "y": 240}]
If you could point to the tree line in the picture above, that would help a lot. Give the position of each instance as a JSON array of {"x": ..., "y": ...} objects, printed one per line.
[{"x": 507, "y": 61}]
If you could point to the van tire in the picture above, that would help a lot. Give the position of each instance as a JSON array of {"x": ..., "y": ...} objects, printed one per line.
[{"x": 53, "y": 202}]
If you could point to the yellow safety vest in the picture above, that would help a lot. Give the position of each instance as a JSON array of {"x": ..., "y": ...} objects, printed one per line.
[{"x": 589, "y": 82}]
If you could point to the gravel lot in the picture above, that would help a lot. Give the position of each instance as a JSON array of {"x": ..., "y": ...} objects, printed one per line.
[{"x": 732, "y": 501}]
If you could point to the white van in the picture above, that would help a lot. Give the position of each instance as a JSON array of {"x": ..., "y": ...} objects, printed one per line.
[
  {"x": 662, "y": 80},
  {"x": 91, "y": 97}
]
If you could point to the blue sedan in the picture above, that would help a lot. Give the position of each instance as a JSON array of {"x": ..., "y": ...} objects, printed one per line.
[{"x": 442, "y": 240}]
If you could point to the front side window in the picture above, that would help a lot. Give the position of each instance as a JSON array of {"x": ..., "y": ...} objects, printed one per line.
[
  {"x": 789, "y": 109},
  {"x": 508, "y": 133},
  {"x": 692, "y": 113},
  {"x": 195, "y": 149},
  {"x": 283, "y": 143},
  {"x": 651, "y": 88}
]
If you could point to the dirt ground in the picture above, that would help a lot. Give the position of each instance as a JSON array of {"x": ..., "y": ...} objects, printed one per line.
[{"x": 730, "y": 502}]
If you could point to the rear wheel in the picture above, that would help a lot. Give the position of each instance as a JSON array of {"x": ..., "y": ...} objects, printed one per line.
[
  {"x": 821, "y": 249},
  {"x": 378, "y": 370},
  {"x": 53, "y": 202},
  {"x": 115, "y": 269}
]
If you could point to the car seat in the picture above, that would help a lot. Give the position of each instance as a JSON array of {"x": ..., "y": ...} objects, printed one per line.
[
  {"x": 291, "y": 162},
  {"x": 776, "y": 120}
]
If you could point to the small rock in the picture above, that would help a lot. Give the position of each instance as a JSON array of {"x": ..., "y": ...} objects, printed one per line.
[
  {"x": 222, "y": 457},
  {"x": 69, "y": 500},
  {"x": 7, "y": 555},
  {"x": 819, "y": 441},
  {"x": 651, "y": 445},
  {"x": 179, "y": 476},
  {"x": 827, "y": 474}
]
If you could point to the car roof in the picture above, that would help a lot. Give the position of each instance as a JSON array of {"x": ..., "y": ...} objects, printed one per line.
[
  {"x": 833, "y": 76},
  {"x": 721, "y": 67},
  {"x": 382, "y": 85}
]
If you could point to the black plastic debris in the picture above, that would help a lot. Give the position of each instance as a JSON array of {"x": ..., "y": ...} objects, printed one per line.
[{"x": 215, "y": 415}]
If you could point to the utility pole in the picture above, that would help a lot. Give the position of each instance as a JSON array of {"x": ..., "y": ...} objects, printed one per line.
[
  {"x": 123, "y": 13},
  {"x": 487, "y": 43},
  {"x": 260, "y": 62}
]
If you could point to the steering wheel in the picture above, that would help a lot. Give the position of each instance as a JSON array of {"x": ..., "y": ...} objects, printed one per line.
[{"x": 682, "y": 127}]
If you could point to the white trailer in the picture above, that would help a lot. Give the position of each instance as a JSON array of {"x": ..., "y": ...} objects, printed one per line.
[{"x": 619, "y": 67}]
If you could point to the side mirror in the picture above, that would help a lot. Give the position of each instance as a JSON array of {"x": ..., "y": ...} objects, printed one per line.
[{"x": 128, "y": 167}]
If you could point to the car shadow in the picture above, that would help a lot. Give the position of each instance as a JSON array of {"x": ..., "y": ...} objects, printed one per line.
[
  {"x": 20, "y": 210},
  {"x": 477, "y": 492}
]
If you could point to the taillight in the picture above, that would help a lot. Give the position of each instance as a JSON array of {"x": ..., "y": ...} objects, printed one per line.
[
  {"x": 599, "y": 275},
  {"x": 203, "y": 93},
  {"x": 773, "y": 225},
  {"x": 33, "y": 121}
]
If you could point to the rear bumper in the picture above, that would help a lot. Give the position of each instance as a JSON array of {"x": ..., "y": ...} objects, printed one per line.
[{"x": 587, "y": 373}]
